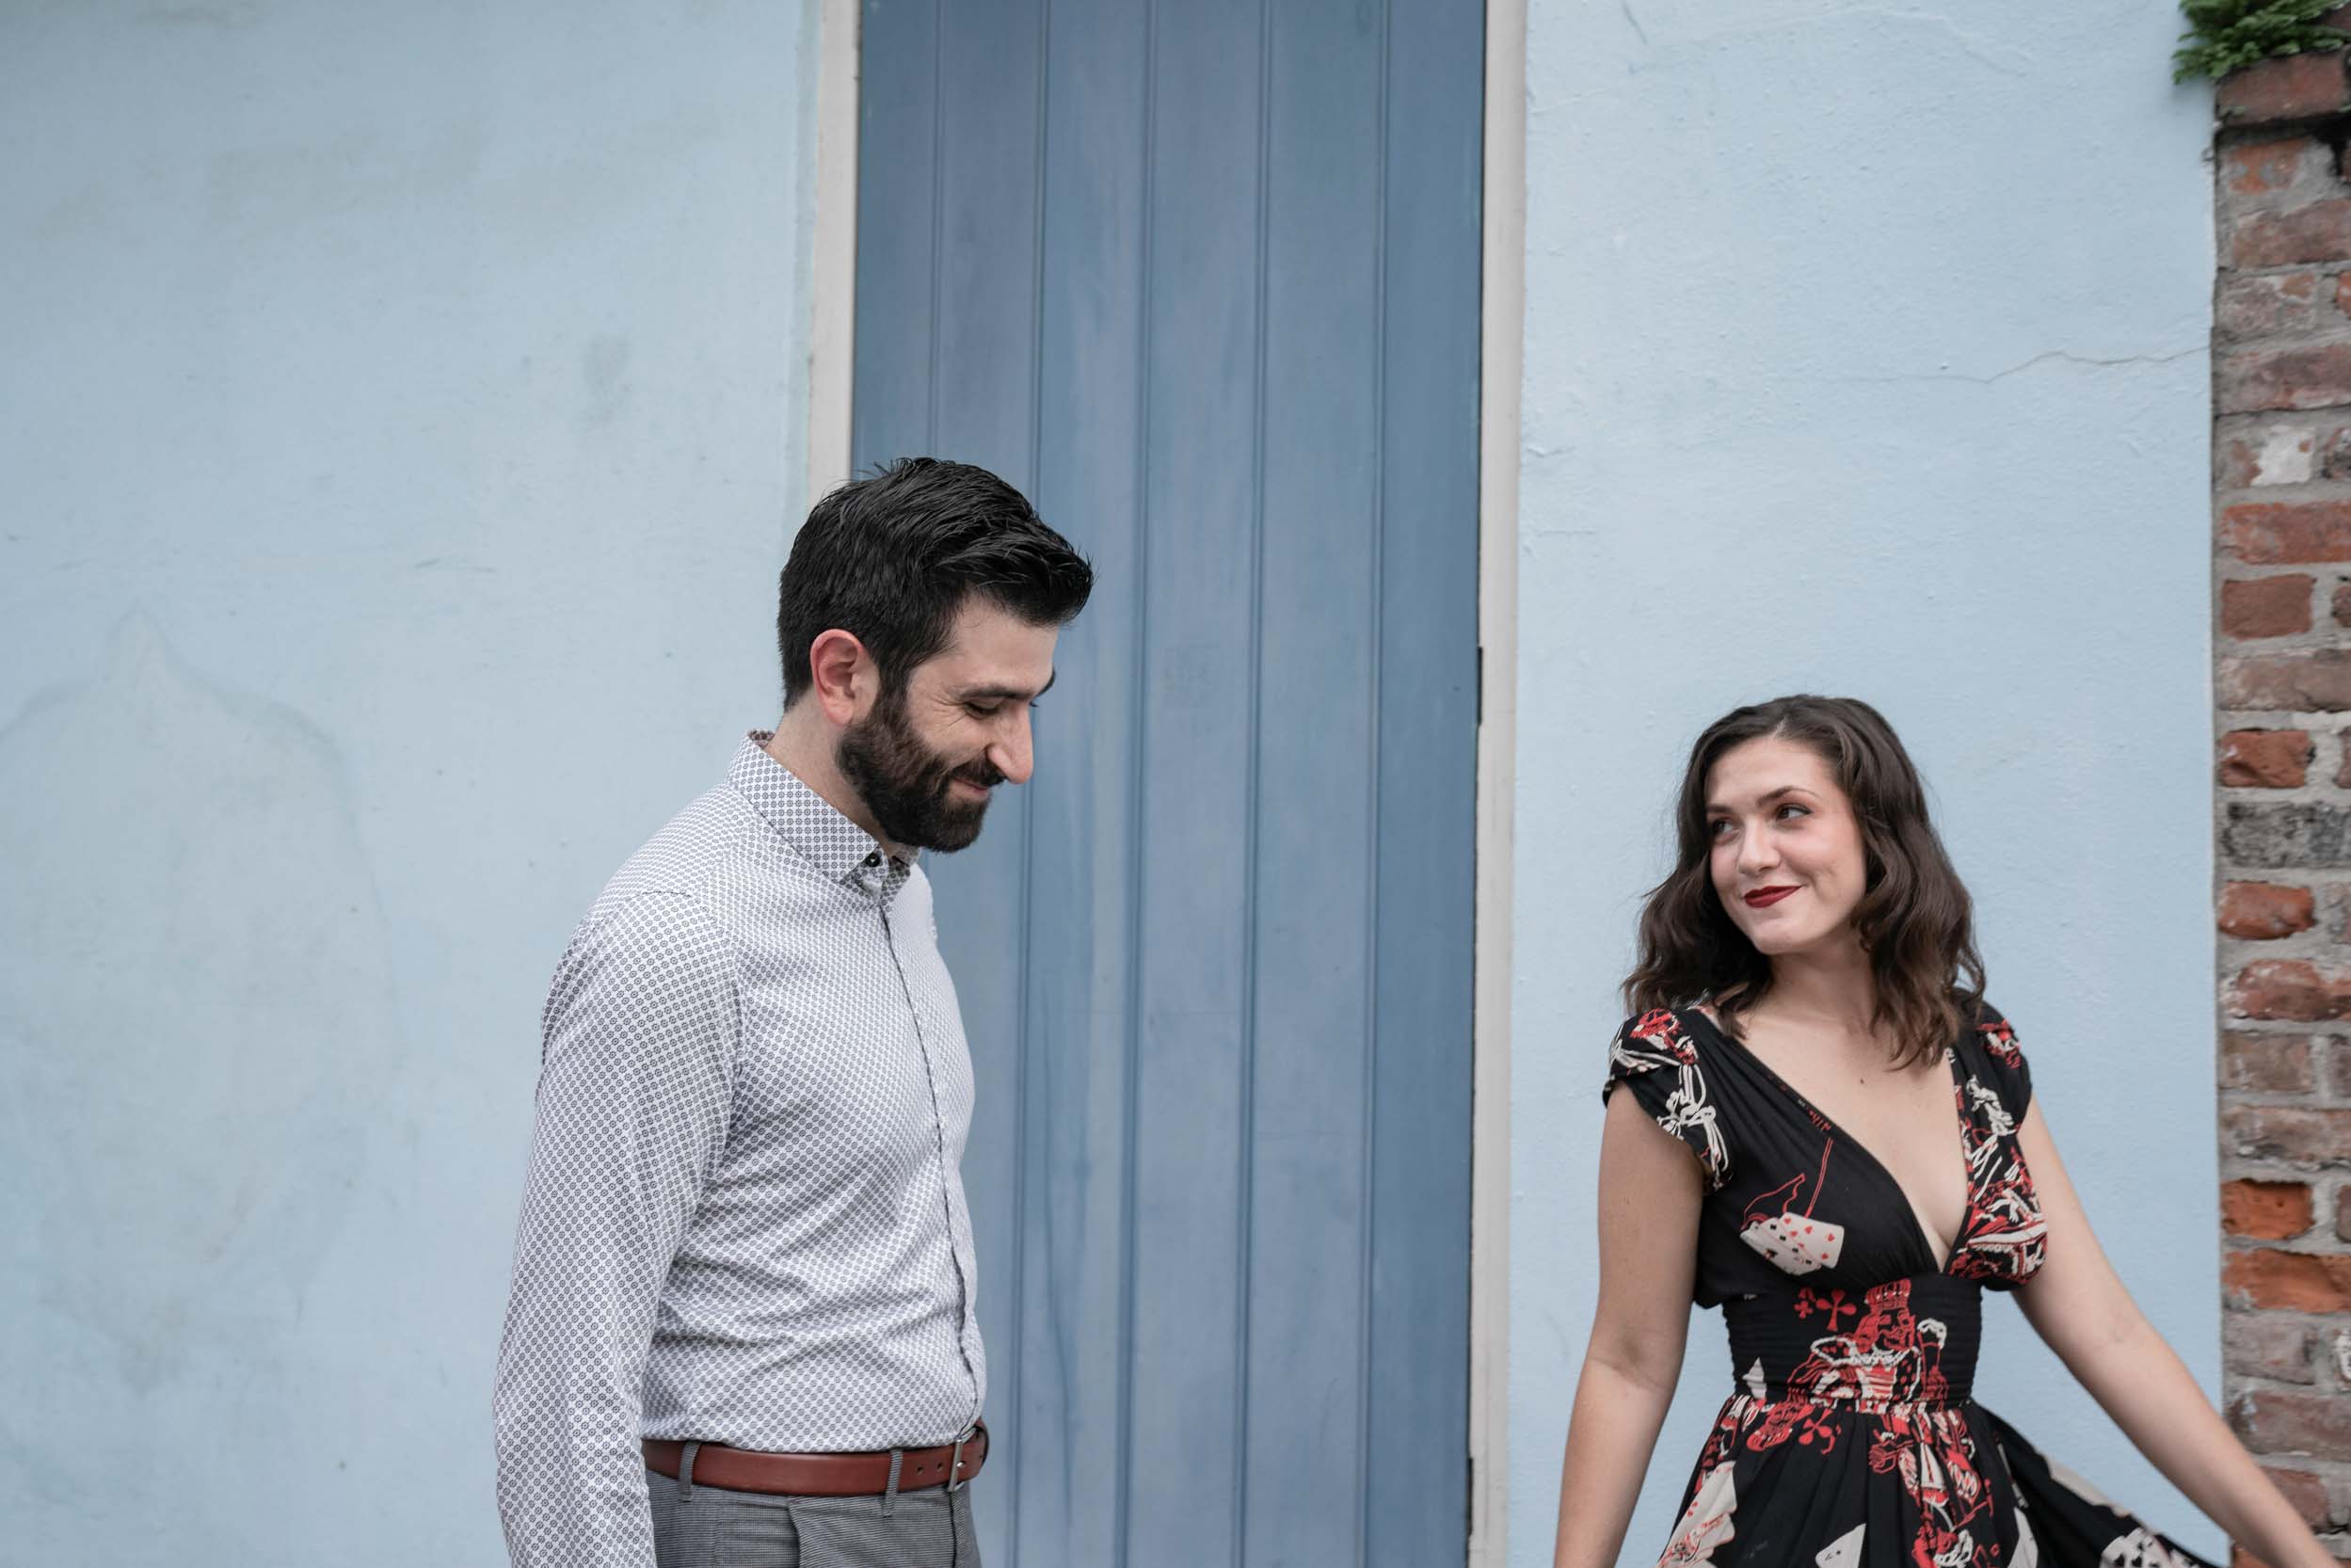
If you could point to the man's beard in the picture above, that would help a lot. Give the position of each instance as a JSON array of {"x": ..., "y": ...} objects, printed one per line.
[{"x": 904, "y": 783}]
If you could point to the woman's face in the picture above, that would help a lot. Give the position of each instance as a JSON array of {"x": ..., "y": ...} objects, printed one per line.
[{"x": 1785, "y": 852}]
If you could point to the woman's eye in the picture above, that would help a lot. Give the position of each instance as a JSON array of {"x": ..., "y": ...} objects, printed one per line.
[
  {"x": 1716, "y": 828},
  {"x": 1791, "y": 805}
]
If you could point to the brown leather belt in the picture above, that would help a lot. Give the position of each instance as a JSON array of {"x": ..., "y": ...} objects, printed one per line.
[{"x": 859, "y": 1474}]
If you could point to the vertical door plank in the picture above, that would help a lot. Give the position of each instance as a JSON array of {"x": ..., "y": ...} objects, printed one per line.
[
  {"x": 1416, "y": 1494},
  {"x": 991, "y": 113},
  {"x": 1084, "y": 842},
  {"x": 897, "y": 132},
  {"x": 1311, "y": 884},
  {"x": 1199, "y": 509}
]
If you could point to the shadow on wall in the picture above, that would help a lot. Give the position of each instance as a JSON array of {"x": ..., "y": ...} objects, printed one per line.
[{"x": 195, "y": 1022}]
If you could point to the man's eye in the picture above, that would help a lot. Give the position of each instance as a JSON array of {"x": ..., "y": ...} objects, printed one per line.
[{"x": 983, "y": 710}]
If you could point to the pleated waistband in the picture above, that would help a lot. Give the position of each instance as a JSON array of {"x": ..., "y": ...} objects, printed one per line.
[{"x": 1908, "y": 1341}]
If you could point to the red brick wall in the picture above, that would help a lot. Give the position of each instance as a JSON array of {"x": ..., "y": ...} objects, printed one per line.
[{"x": 2281, "y": 349}]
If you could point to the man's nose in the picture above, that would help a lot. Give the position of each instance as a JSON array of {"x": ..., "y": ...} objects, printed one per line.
[{"x": 1015, "y": 756}]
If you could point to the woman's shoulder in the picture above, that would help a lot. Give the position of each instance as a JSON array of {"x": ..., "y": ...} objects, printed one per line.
[
  {"x": 1989, "y": 1044},
  {"x": 1655, "y": 1056},
  {"x": 1995, "y": 1034},
  {"x": 1669, "y": 1034}
]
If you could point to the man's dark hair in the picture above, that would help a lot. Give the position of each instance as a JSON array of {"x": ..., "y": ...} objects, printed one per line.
[{"x": 891, "y": 558}]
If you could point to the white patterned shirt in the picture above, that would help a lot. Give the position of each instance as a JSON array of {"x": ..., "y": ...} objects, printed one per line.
[{"x": 745, "y": 1220}]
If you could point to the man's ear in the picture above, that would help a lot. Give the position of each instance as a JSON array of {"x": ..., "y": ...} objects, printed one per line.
[{"x": 841, "y": 674}]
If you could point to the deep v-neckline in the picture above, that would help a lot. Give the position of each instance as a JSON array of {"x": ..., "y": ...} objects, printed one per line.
[{"x": 1919, "y": 1225}]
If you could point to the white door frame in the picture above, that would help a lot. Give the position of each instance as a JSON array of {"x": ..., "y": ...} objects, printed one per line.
[
  {"x": 832, "y": 361},
  {"x": 833, "y": 250},
  {"x": 1502, "y": 314}
]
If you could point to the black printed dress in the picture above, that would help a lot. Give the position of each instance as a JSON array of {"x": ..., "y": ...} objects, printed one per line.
[{"x": 1850, "y": 1440}]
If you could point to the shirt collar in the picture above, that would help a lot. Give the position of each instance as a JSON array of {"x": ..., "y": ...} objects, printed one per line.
[{"x": 839, "y": 849}]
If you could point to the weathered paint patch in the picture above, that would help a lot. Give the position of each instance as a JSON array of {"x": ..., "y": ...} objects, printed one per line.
[{"x": 195, "y": 1010}]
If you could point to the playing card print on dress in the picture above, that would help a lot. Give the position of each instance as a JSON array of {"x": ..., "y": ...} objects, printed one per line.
[
  {"x": 1705, "y": 1522},
  {"x": 1796, "y": 1240},
  {"x": 1844, "y": 1551},
  {"x": 2142, "y": 1548}
]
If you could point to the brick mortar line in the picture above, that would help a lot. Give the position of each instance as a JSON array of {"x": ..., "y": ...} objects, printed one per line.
[
  {"x": 2293, "y": 1244},
  {"x": 2248, "y": 1383},
  {"x": 2307, "y": 1319},
  {"x": 2228, "y": 569},
  {"x": 2320, "y": 879},
  {"x": 2324, "y": 631},
  {"x": 2316, "y": 941},
  {"x": 2292, "y": 642},
  {"x": 2321, "y": 719},
  {"x": 2321, "y": 1183},
  {"x": 2251, "y": 870},
  {"x": 2230, "y": 427},
  {"x": 2292, "y": 1099},
  {"x": 2325, "y": 1182},
  {"x": 2320, "y": 945},
  {"x": 2320, "y": 1231},
  {"x": 2306, "y": 793},
  {"x": 2324, "y": 296},
  {"x": 2257, "y": 1167},
  {"x": 2320, "y": 487},
  {"x": 2287, "y": 340},
  {"x": 2229, "y": 423}
]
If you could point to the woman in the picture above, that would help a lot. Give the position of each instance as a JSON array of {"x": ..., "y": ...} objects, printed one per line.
[{"x": 1830, "y": 1135}]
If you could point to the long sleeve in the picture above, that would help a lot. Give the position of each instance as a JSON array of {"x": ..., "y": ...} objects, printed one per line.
[{"x": 635, "y": 1083}]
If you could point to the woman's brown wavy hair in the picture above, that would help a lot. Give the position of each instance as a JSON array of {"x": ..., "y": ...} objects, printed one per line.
[{"x": 1914, "y": 916}]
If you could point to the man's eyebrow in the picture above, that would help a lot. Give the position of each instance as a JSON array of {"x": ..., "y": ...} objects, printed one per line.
[{"x": 1008, "y": 694}]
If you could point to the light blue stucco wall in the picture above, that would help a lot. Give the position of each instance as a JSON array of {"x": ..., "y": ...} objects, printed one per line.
[
  {"x": 1865, "y": 353},
  {"x": 402, "y": 428}
]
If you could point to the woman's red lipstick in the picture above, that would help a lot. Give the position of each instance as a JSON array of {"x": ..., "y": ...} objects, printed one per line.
[{"x": 1763, "y": 898}]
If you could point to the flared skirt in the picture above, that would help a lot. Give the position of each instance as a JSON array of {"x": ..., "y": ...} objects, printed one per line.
[{"x": 1800, "y": 1482}]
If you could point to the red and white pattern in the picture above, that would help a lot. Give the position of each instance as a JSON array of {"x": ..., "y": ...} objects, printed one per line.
[
  {"x": 1655, "y": 1044},
  {"x": 1852, "y": 1441},
  {"x": 2003, "y": 1236}
]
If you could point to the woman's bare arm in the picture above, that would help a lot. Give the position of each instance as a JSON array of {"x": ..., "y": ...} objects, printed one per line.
[
  {"x": 2079, "y": 1307},
  {"x": 1649, "y": 1193}
]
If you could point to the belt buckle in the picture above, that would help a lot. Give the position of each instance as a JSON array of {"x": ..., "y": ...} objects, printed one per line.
[{"x": 956, "y": 1481}]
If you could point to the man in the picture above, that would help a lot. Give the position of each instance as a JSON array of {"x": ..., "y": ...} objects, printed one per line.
[{"x": 741, "y": 1323}]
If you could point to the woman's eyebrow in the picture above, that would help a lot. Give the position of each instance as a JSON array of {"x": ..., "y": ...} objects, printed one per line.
[{"x": 1763, "y": 799}]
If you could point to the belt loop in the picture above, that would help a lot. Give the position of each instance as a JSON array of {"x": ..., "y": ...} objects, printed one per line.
[
  {"x": 956, "y": 1481},
  {"x": 889, "y": 1497},
  {"x": 685, "y": 1471}
]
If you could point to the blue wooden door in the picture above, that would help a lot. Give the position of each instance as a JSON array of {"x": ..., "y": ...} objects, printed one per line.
[{"x": 1200, "y": 277}]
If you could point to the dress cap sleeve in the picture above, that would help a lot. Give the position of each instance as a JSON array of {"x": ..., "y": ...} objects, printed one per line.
[
  {"x": 2011, "y": 1076},
  {"x": 1658, "y": 1061}
]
